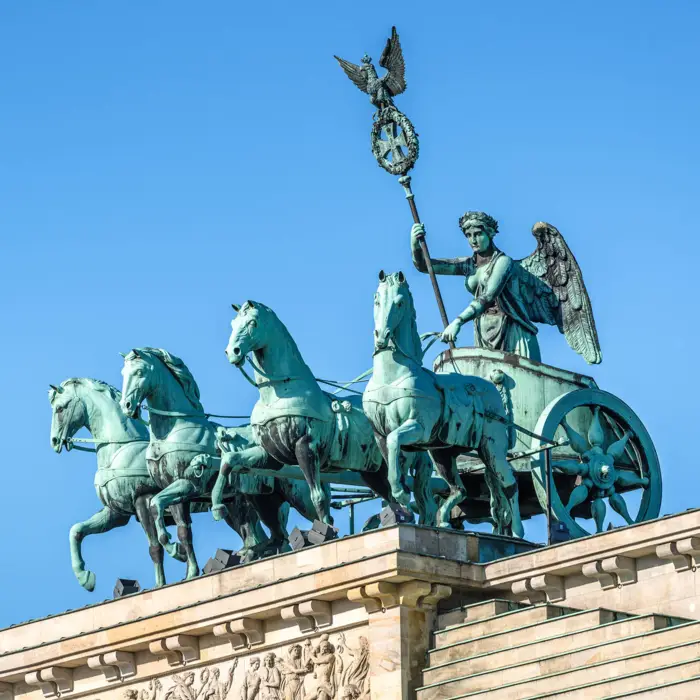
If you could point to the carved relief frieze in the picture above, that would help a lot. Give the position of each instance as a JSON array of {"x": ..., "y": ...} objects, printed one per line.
[{"x": 325, "y": 667}]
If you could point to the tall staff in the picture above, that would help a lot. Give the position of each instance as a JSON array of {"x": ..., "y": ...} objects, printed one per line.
[{"x": 394, "y": 140}]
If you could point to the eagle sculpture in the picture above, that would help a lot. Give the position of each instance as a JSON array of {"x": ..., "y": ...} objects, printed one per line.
[{"x": 380, "y": 90}]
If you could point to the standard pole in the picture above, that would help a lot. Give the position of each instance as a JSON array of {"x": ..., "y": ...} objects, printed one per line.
[
  {"x": 352, "y": 518},
  {"x": 405, "y": 182},
  {"x": 548, "y": 477}
]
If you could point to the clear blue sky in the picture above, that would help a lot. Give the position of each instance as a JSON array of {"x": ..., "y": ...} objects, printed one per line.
[{"x": 161, "y": 160}]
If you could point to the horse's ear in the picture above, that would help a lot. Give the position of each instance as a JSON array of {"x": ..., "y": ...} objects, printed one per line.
[
  {"x": 57, "y": 389},
  {"x": 236, "y": 307},
  {"x": 250, "y": 304},
  {"x": 135, "y": 353},
  {"x": 382, "y": 275},
  {"x": 123, "y": 354},
  {"x": 402, "y": 278}
]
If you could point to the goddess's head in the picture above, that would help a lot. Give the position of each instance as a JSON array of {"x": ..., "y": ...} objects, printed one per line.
[{"x": 479, "y": 229}]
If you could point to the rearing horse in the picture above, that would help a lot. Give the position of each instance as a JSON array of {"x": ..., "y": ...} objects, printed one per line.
[
  {"x": 448, "y": 414},
  {"x": 122, "y": 481},
  {"x": 294, "y": 421}
]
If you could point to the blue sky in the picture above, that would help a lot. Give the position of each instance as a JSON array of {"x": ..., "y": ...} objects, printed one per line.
[{"x": 161, "y": 160}]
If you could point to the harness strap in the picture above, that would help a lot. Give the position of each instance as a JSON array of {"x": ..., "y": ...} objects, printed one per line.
[{"x": 179, "y": 414}]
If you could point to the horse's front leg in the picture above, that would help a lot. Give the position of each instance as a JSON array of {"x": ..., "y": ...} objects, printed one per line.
[
  {"x": 235, "y": 462},
  {"x": 183, "y": 520},
  {"x": 179, "y": 491},
  {"x": 407, "y": 433},
  {"x": 102, "y": 521},
  {"x": 445, "y": 461},
  {"x": 155, "y": 548},
  {"x": 309, "y": 462}
]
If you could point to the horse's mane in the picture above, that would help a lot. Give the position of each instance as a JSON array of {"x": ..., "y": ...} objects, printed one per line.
[
  {"x": 97, "y": 384},
  {"x": 283, "y": 329},
  {"x": 413, "y": 319},
  {"x": 179, "y": 370}
]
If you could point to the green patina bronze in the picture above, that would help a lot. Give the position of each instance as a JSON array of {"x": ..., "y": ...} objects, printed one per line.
[
  {"x": 296, "y": 422},
  {"x": 411, "y": 407},
  {"x": 511, "y": 296},
  {"x": 183, "y": 458},
  {"x": 122, "y": 481}
]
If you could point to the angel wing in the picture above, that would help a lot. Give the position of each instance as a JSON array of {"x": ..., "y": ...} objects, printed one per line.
[
  {"x": 392, "y": 60},
  {"x": 557, "y": 295},
  {"x": 354, "y": 72}
]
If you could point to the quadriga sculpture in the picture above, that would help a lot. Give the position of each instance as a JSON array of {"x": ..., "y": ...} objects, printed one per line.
[
  {"x": 122, "y": 481},
  {"x": 180, "y": 435},
  {"x": 448, "y": 414},
  {"x": 296, "y": 422}
]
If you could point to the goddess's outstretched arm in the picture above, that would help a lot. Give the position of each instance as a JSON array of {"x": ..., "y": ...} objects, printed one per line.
[{"x": 441, "y": 266}]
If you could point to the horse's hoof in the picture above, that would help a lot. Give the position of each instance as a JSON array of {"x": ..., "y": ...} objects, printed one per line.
[
  {"x": 403, "y": 498},
  {"x": 218, "y": 512},
  {"x": 87, "y": 580},
  {"x": 176, "y": 551},
  {"x": 191, "y": 573}
]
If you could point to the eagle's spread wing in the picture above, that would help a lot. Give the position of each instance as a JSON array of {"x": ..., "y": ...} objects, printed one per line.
[
  {"x": 553, "y": 289},
  {"x": 354, "y": 72},
  {"x": 392, "y": 60}
]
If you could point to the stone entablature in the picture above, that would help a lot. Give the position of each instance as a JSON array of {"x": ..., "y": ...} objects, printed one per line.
[{"x": 368, "y": 599}]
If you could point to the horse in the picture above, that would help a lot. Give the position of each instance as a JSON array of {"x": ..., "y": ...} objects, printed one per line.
[
  {"x": 122, "y": 481},
  {"x": 267, "y": 494},
  {"x": 297, "y": 423},
  {"x": 183, "y": 457},
  {"x": 412, "y": 408}
]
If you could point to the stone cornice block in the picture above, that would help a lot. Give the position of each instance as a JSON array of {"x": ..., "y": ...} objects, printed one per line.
[
  {"x": 412, "y": 594},
  {"x": 243, "y": 633},
  {"x": 178, "y": 650},
  {"x": 54, "y": 681},
  {"x": 612, "y": 572},
  {"x": 594, "y": 569},
  {"x": 115, "y": 665},
  {"x": 683, "y": 553},
  {"x": 538, "y": 589},
  {"x": 6, "y": 691},
  {"x": 309, "y": 615}
]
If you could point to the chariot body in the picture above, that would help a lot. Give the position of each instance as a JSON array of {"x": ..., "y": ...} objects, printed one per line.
[{"x": 598, "y": 447}]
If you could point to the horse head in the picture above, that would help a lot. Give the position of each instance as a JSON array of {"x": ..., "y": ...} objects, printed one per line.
[
  {"x": 248, "y": 332},
  {"x": 137, "y": 382},
  {"x": 393, "y": 305},
  {"x": 68, "y": 413}
]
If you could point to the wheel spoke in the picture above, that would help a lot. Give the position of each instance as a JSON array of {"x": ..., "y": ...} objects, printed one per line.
[
  {"x": 617, "y": 449},
  {"x": 598, "y": 511},
  {"x": 627, "y": 479},
  {"x": 618, "y": 504},
  {"x": 578, "y": 496},
  {"x": 578, "y": 442},
  {"x": 596, "y": 436},
  {"x": 570, "y": 467}
]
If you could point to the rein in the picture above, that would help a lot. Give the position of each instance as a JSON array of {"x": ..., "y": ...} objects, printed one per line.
[{"x": 99, "y": 443}]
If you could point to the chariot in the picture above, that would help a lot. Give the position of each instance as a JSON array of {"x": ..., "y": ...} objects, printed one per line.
[{"x": 592, "y": 443}]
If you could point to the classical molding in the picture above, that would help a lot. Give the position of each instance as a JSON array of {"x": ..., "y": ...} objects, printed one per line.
[
  {"x": 309, "y": 615},
  {"x": 683, "y": 553},
  {"x": 612, "y": 571},
  {"x": 538, "y": 589},
  {"x": 416, "y": 594},
  {"x": 178, "y": 650},
  {"x": 115, "y": 665},
  {"x": 243, "y": 632},
  {"x": 54, "y": 681}
]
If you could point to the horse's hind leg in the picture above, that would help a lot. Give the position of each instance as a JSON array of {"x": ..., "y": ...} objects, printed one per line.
[
  {"x": 274, "y": 512},
  {"x": 505, "y": 507},
  {"x": 422, "y": 488},
  {"x": 155, "y": 548},
  {"x": 446, "y": 464},
  {"x": 309, "y": 463},
  {"x": 102, "y": 521},
  {"x": 183, "y": 520},
  {"x": 242, "y": 517},
  {"x": 180, "y": 490}
]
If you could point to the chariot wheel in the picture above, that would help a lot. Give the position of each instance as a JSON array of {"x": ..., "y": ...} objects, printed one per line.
[{"x": 603, "y": 453}]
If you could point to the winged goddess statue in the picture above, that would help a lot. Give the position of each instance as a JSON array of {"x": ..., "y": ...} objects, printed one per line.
[
  {"x": 511, "y": 296},
  {"x": 382, "y": 90}
]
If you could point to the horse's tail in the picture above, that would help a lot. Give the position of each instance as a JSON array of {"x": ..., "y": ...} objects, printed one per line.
[{"x": 500, "y": 381}]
